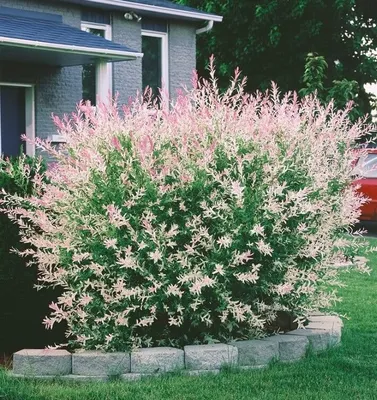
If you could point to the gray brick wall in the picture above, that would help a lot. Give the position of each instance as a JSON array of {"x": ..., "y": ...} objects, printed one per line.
[
  {"x": 126, "y": 74},
  {"x": 182, "y": 55}
]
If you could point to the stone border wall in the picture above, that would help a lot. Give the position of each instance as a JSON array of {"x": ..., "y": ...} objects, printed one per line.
[{"x": 322, "y": 333}]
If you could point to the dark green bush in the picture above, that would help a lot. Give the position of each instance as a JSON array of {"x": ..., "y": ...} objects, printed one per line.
[{"x": 22, "y": 308}]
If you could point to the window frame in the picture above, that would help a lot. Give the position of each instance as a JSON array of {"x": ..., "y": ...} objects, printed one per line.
[
  {"x": 164, "y": 36},
  {"x": 104, "y": 70}
]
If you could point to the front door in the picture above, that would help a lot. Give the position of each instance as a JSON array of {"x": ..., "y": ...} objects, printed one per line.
[{"x": 12, "y": 120}]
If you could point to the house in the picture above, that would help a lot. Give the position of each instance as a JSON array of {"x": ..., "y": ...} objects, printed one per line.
[{"x": 53, "y": 53}]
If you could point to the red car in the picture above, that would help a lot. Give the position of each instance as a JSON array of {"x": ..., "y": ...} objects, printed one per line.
[{"x": 366, "y": 168}]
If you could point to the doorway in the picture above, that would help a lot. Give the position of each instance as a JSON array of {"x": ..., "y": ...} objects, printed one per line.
[
  {"x": 12, "y": 120},
  {"x": 16, "y": 118}
]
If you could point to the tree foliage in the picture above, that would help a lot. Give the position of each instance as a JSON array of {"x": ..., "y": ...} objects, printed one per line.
[
  {"x": 341, "y": 92},
  {"x": 270, "y": 39}
]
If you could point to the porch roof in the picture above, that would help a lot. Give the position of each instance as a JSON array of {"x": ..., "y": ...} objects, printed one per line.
[{"x": 50, "y": 42}]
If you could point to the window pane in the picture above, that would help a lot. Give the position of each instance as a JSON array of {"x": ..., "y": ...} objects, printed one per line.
[
  {"x": 89, "y": 83},
  {"x": 152, "y": 63},
  {"x": 97, "y": 32},
  {"x": 89, "y": 73}
]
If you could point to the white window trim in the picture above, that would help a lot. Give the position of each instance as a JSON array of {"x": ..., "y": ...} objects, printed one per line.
[
  {"x": 104, "y": 70},
  {"x": 164, "y": 54},
  {"x": 29, "y": 115}
]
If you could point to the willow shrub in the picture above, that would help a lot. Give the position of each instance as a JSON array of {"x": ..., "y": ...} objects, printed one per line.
[{"x": 192, "y": 222}]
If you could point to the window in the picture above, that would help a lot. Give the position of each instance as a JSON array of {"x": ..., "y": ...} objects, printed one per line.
[
  {"x": 97, "y": 78},
  {"x": 155, "y": 64}
]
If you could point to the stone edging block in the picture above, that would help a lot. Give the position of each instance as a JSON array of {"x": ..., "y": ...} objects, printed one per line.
[
  {"x": 210, "y": 356},
  {"x": 326, "y": 319},
  {"x": 97, "y": 363},
  {"x": 45, "y": 362},
  {"x": 291, "y": 348},
  {"x": 156, "y": 360},
  {"x": 256, "y": 352},
  {"x": 331, "y": 323},
  {"x": 198, "y": 372},
  {"x": 322, "y": 332},
  {"x": 319, "y": 339}
]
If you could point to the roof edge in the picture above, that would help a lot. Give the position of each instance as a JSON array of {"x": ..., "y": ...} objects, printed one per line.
[
  {"x": 117, "y": 54},
  {"x": 159, "y": 10}
]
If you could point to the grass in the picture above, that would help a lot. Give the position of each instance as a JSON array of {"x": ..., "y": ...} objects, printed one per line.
[{"x": 347, "y": 372}]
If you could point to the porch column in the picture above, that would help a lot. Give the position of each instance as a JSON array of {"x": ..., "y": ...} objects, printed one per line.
[{"x": 102, "y": 82}]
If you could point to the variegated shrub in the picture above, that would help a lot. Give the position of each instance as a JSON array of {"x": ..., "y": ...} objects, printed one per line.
[{"x": 194, "y": 221}]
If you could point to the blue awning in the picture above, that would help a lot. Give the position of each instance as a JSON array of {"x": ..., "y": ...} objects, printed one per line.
[{"x": 49, "y": 41}]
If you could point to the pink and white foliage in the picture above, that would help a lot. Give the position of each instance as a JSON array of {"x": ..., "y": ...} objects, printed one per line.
[{"x": 195, "y": 220}]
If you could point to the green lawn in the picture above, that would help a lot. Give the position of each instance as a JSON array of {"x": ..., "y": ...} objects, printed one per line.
[{"x": 348, "y": 372}]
